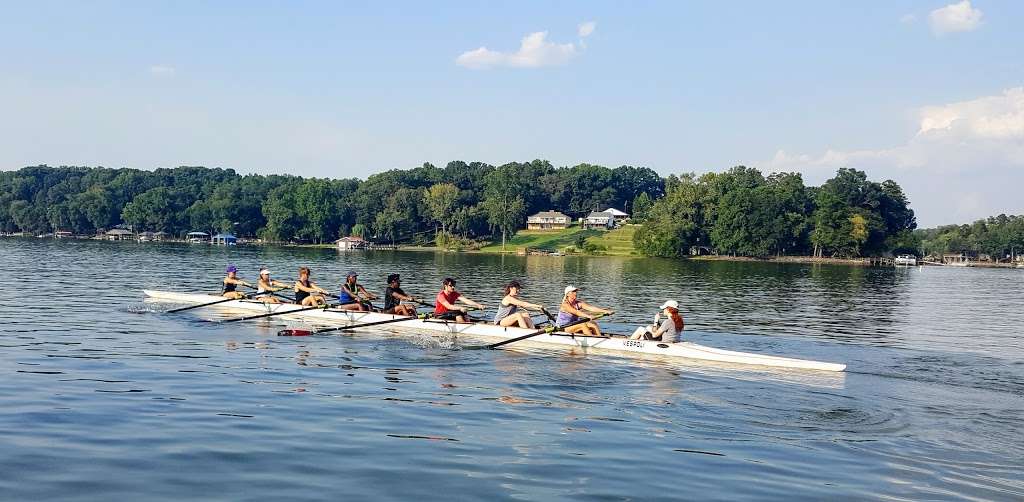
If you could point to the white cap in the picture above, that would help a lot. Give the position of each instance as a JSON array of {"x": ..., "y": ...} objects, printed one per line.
[
  {"x": 670, "y": 304},
  {"x": 264, "y": 272},
  {"x": 570, "y": 288}
]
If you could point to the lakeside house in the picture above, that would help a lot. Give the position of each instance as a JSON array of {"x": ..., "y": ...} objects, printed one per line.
[
  {"x": 119, "y": 234},
  {"x": 224, "y": 240},
  {"x": 350, "y": 243},
  {"x": 61, "y": 234},
  {"x": 599, "y": 220},
  {"x": 197, "y": 237},
  {"x": 547, "y": 220},
  {"x": 619, "y": 216}
]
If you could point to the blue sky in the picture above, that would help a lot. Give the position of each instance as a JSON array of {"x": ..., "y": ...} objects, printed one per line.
[{"x": 927, "y": 93}]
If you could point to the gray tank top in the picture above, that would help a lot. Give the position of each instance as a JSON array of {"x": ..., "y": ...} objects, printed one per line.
[{"x": 505, "y": 311}]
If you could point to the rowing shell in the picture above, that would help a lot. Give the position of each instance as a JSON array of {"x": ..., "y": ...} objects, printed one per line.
[{"x": 619, "y": 345}]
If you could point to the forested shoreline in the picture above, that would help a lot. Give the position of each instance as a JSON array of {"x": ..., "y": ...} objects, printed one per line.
[{"x": 739, "y": 212}]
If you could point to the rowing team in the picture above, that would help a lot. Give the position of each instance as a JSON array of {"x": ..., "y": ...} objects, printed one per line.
[{"x": 512, "y": 312}]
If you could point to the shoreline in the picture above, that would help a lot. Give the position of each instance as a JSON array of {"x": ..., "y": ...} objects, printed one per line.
[{"x": 808, "y": 260}]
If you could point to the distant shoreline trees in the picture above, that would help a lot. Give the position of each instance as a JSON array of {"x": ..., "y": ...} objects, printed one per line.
[
  {"x": 741, "y": 212},
  {"x": 738, "y": 212}
]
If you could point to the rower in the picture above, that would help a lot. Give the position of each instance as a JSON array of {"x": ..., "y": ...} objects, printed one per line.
[
  {"x": 573, "y": 310},
  {"x": 265, "y": 287},
  {"x": 445, "y": 302},
  {"x": 231, "y": 282},
  {"x": 669, "y": 331},
  {"x": 307, "y": 292},
  {"x": 353, "y": 296},
  {"x": 509, "y": 313},
  {"x": 394, "y": 296}
]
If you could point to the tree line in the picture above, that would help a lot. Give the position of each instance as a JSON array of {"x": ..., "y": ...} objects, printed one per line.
[
  {"x": 465, "y": 200},
  {"x": 1000, "y": 237},
  {"x": 742, "y": 212},
  {"x": 738, "y": 212}
]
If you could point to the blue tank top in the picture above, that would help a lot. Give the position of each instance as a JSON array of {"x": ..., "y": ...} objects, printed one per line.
[
  {"x": 567, "y": 318},
  {"x": 343, "y": 296}
]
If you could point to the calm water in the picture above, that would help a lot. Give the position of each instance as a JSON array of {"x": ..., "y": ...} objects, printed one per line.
[{"x": 105, "y": 396}]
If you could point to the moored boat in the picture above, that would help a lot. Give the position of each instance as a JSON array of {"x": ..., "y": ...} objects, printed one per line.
[
  {"x": 907, "y": 260},
  {"x": 618, "y": 345}
]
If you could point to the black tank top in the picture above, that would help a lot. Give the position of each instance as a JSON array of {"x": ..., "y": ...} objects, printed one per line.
[
  {"x": 229, "y": 287},
  {"x": 300, "y": 294}
]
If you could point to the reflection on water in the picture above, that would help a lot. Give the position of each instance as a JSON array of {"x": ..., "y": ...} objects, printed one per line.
[{"x": 105, "y": 396}]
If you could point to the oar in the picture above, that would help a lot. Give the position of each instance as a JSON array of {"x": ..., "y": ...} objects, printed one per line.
[
  {"x": 548, "y": 314},
  {"x": 190, "y": 307},
  {"x": 260, "y": 316},
  {"x": 306, "y": 332},
  {"x": 549, "y": 329}
]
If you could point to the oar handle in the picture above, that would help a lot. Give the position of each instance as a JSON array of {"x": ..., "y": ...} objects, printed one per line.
[{"x": 549, "y": 329}]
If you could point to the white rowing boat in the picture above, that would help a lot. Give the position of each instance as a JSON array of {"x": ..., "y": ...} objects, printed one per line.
[{"x": 619, "y": 345}]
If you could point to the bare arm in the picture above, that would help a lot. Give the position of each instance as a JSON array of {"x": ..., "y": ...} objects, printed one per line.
[
  {"x": 470, "y": 302},
  {"x": 591, "y": 308},
  {"x": 510, "y": 300},
  {"x": 311, "y": 289},
  {"x": 366, "y": 294}
]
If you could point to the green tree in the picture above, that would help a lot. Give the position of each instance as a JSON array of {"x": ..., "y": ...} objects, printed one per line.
[
  {"x": 441, "y": 200},
  {"x": 282, "y": 221},
  {"x": 676, "y": 222},
  {"x": 313, "y": 206},
  {"x": 641, "y": 207},
  {"x": 360, "y": 230},
  {"x": 503, "y": 201}
]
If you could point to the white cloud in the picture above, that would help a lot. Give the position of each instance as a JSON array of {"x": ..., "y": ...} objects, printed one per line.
[
  {"x": 161, "y": 70},
  {"x": 535, "y": 51},
  {"x": 960, "y": 150},
  {"x": 998, "y": 117},
  {"x": 908, "y": 19},
  {"x": 585, "y": 29},
  {"x": 954, "y": 18}
]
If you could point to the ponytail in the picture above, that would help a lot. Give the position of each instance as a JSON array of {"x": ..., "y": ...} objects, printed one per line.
[{"x": 676, "y": 318}]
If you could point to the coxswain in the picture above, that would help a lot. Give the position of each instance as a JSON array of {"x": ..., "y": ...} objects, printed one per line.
[
  {"x": 509, "y": 313},
  {"x": 353, "y": 296},
  {"x": 445, "y": 302},
  {"x": 231, "y": 282},
  {"x": 394, "y": 296},
  {"x": 668, "y": 331},
  {"x": 307, "y": 292},
  {"x": 266, "y": 287},
  {"x": 574, "y": 310}
]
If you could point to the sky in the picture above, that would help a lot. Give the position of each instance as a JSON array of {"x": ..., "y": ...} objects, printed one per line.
[{"x": 927, "y": 93}]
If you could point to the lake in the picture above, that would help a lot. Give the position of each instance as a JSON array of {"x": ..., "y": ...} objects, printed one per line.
[{"x": 106, "y": 396}]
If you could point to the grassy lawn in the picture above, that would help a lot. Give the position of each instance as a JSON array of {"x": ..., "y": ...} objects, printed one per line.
[
  {"x": 616, "y": 242},
  {"x": 548, "y": 240}
]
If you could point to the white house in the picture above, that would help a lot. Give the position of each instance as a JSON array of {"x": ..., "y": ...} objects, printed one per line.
[
  {"x": 349, "y": 243},
  {"x": 618, "y": 215},
  {"x": 546, "y": 220},
  {"x": 599, "y": 220}
]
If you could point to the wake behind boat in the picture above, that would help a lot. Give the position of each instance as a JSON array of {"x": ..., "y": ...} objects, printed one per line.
[{"x": 617, "y": 345}]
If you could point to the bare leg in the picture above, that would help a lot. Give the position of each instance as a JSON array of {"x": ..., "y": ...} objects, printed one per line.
[{"x": 525, "y": 321}]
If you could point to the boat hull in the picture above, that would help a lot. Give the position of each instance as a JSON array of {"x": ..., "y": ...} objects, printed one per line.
[{"x": 621, "y": 345}]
